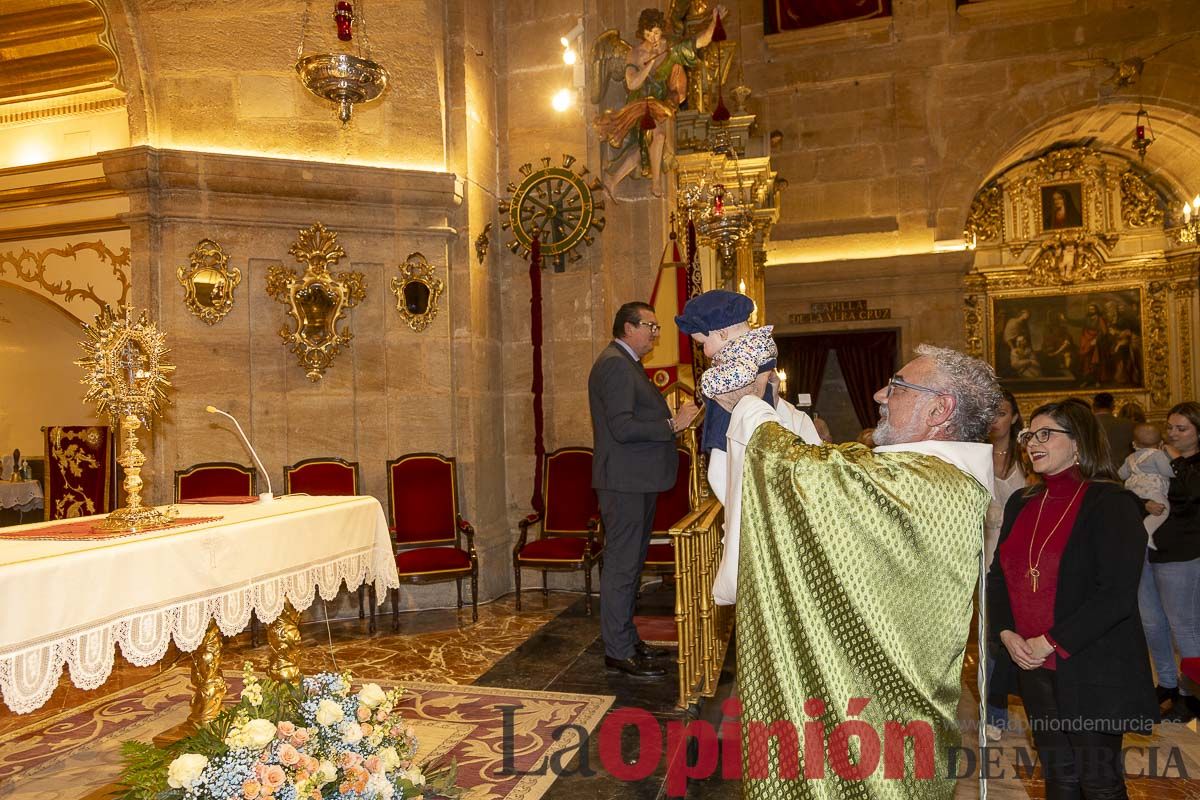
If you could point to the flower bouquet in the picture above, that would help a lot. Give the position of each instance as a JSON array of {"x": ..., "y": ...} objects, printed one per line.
[{"x": 316, "y": 741}]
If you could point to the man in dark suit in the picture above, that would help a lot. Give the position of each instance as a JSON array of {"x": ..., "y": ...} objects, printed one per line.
[
  {"x": 1118, "y": 429},
  {"x": 634, "y": 440}
]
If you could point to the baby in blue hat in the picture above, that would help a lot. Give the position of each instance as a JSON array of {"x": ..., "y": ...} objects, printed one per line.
[{"x": 715, "y": 319}]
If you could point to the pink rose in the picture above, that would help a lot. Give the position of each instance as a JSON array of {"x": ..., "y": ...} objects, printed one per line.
[
  {"x": 311, "y": 764},
  {"x": 379, "y": 715},
  {"x": 366, "y": 728},
  {"x": 372, "y": 764},
  {"x": 250, "y": 789},
  {"x": 285, "y": 729},
  {"x": 288, "y": 755},
  {"x": 363, "y": 714},
  {"x": 300, "y": 737},
  {"x": 397, "y": 731},
  {"x": 273, "y": 777}
]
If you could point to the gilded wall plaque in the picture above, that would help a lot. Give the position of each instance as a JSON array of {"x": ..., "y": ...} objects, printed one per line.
[
  {"x": 317, "y": 300},
  {"x": 417, "y": 291},
  {"x": 208, "y": 282}
]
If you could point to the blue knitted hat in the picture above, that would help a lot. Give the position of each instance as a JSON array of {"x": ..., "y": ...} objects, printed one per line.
[{"x": 713, "y": 311}]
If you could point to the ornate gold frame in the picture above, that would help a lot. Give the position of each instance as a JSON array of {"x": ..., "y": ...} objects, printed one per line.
[
  {"x": 417, "y": 270},
  {"x": 317, "y": 300},
  {"x": 209, "y": 260}
]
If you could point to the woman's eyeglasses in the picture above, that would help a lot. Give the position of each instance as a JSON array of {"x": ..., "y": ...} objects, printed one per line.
[{"x": 1041, "y": 434}]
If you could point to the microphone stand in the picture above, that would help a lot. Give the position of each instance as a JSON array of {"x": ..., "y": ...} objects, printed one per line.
[{"x": 268, "y": 496}]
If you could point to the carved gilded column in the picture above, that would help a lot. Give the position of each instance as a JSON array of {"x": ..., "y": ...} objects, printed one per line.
[
  {"x": 208, "y": 687},
  {"x": 1184, "y": 292},
  {"x": 283, "y": 636}
]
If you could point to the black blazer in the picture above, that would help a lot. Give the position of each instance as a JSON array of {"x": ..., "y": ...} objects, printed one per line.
[
  {"x": 1106, "y": 683},
  {"x": 631, "y": 431}
]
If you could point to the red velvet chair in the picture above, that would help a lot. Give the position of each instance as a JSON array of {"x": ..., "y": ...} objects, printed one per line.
[
  {"x": 215, "y": 479},
  {"x": 80, "y": 478},
  {"x": 329, "y": 477},
  {"x": 322, "y": 477},
  {"x": 673, "y": 505},
  {"x": 570, "y": 538},
  {"x": 427, "y": 528}
]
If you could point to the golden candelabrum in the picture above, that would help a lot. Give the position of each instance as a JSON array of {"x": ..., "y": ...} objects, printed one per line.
[{"x": 126, "y": 375}]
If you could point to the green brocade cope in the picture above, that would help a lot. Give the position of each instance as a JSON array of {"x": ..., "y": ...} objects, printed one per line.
[{"x": 855, "y": 580}]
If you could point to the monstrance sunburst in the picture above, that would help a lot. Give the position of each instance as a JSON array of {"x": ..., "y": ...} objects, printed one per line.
[{"x": 126, "y": 375}]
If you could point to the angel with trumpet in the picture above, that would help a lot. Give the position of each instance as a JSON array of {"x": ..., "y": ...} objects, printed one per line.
[{"x": 655, "y": 74}]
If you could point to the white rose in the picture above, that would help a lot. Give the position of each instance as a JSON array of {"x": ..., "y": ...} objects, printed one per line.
[
  {"x": 379, "y": 787},
  {"x": 185, "y": 770},
  {"x": 351, "y": 733},
  {"x": 370, "y": 695},
  {"x": 258, "y": 733},
  {"x": 326, "y": 772},
  {"x": 413, "y": 776},
  {"x": 329, "y": 712},
  {"x": 389, "y": 759}
]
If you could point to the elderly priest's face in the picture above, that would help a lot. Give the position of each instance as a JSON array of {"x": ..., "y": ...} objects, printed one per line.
[{"x": 908, "y": 404}]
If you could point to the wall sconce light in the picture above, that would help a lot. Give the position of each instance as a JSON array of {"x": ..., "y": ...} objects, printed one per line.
[{"x": 1189, "y": 232}]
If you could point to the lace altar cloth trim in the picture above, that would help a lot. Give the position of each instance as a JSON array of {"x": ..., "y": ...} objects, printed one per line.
[
  {"x": 87, "y": 531},
  {"x": 29, "y": 678}
]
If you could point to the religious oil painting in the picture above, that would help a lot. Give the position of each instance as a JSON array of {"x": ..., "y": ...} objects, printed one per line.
[
  {"x": 1069, "y": 342},
  {"x": 1062, "y": 206}
]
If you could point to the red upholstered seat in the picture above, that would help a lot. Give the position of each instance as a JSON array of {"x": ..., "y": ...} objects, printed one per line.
[
  {"x": 673, "y": 505},
  {"x": 558, "y": 549},
  {"x": 80, "y": 467},
  {"x": 322, "y": 476},
  {"x": 433, "y": 542},
  {"x": 661, "y": 554},
  {"x": 570, "y": 526},
  {"x": 425, "y": 560},
  {"x": 215, "y": 479}
]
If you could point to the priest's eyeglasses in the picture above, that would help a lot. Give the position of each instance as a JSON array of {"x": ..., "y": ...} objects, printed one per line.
[
  {"x": 1041, "y": 434},
  {"x": 653, "y": 326},
  {"x": 893, "y": 382}
]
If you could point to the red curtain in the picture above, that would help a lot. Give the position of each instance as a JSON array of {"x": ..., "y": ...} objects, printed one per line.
[
  {"x": 867, "y": 360},
  {"x": 790, "y": 15}
]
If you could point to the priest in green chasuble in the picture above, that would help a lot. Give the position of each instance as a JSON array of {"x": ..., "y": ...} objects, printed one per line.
[{"x": 856, "y": 575}]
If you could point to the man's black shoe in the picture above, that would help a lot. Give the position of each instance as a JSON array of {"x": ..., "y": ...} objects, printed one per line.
[
  {"x": 1166, "y": 695},
  {"x": 646, "y": 651},
  {"x": 634, "y": 667}
]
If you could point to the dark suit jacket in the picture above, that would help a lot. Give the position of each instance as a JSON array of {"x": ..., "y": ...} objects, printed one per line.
[
  {"x": 1120, "y": 437},
  {"x": 634, "y": 445},
  {"x": 1105, "y": 683}
]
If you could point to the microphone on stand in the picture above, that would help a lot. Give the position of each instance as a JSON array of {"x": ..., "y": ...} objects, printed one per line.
[{"x": 268, "y": 496}]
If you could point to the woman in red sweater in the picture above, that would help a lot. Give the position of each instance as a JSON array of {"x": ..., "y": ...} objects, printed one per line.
[{"x": 1062, "y": 599}]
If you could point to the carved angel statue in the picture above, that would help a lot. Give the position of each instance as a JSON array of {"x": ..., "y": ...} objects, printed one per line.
[{"x": 655, "y": 74}]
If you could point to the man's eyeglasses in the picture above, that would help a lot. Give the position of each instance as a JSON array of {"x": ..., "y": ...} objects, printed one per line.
[
  {"x": 1041, "y": 434},
  {"x": 893, "y": 382},
  {"x": 653, "y": 326}
]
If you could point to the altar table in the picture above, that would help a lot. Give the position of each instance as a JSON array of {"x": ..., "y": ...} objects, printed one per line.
[
  {"x": 72, "y": 602},
  {"x": 20, "y": 495}
]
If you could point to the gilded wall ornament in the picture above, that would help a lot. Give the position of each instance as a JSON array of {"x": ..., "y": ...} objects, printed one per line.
[
  {"x": 30, "y": 267},
  {"x": 1140, "y": 205},
  {"x": 208, "y": 282},
  {"x": 317, "y": 300},
  {"x": 985, "y": 220},
  {"x": 554, "y": 204},
  {"x": 1065, "y": 259},
  {"x": 483, "y": 242},
  {"x": 417, "y": 291}
]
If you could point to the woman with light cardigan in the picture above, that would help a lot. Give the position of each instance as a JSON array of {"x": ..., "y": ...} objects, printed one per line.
[{"x": 1062, "y": 599}]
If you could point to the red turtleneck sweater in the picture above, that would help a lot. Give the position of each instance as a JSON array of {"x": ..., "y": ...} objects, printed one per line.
[{"x": 1033, "y": 611}]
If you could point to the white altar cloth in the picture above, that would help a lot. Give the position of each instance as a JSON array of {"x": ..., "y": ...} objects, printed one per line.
[
  {"x": 20, "y": 495},
  {"x": 72, "y": 602}
]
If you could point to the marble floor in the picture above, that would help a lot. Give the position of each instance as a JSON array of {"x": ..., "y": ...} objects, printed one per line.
[{"x": 552, "y": 645}]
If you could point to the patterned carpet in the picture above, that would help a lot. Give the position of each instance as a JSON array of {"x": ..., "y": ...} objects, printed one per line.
[{"x": 76, "y": 752}]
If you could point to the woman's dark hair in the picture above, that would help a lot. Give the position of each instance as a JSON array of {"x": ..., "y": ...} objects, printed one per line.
[
  {"x": 1076, "y": 417},
  {"x": 650, "y": 18},
  {"x": 1190, "y": 410},
  {"x": 1014, "y": 447}
]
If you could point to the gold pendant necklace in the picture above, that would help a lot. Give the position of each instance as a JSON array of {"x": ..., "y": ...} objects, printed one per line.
[{"x": 1034, "y": 573}]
